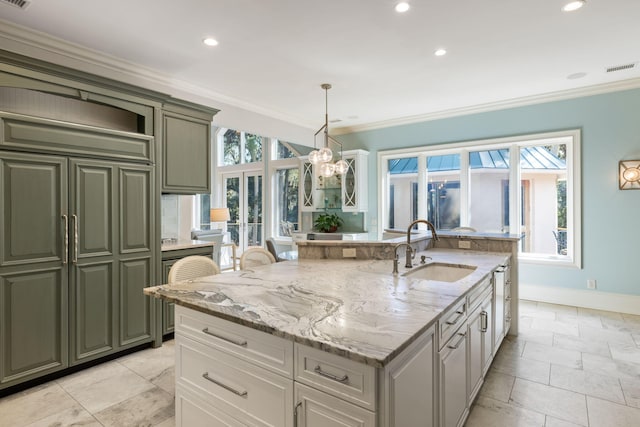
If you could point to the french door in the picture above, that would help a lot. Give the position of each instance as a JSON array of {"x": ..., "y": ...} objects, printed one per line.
[{"x": 243, "y": 192}]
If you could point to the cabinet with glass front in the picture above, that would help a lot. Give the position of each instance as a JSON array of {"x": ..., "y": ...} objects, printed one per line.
[{"x": 347, "y": 192}]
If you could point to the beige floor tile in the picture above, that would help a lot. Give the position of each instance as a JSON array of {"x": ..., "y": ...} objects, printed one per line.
[
  {"x": 561, "y": 404},
  {"x": 590, "y": 312},
  {"x": 555, "y": 422},
  {"x": 522, "y": 368},
  {"x": 487, "y": 412},
  {"x": 608, "y": 366},
  {"x": 626, "y": 353},
  {"x": 148, "y": 408},
  {"x": 151, "y": 362},
  {"x": 631, "y": 390},
  {"x": 568, "y": 342},
  {"x": 594, "y": 322},
  {"x": 636, "y": 338},
  {"x": 535, "y": 335},
  {"x": 166, "y": 380},
  {"x": 527, "y": 306},
  {"x": 603, "y": 413},
  {"x": 547, "y": 353},
  {"x": 497, "y": 385},
  {"x": 171, "y": 422},
  {"x": 512, "y": 346},
  {"x": 104, "y": 385},
  {"x": 620, "y": 326},
  {"x": 547, "y": 315},
  {"x": 587, "y": 382},
  {"x": 605, "y": 335},
  {"x": 73, "y": 417},
  {"x": 557, "y": 308},
  {"x": 35, "y": 404},
  {"x": 555, "y": 326}
]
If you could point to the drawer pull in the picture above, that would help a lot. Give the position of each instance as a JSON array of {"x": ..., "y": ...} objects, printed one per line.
[
  {"x": 453, "y": 322},
  {"x": 295, "y": 414},
  {"x": 238, "y": 343},
  {"x": 344, "y": 379},
  {"x": 484, "y": 323},
  {"x": 456, "y": 345},
  {"x": 224, "y": 386}
]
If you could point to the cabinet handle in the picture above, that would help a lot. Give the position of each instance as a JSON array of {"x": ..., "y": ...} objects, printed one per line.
[
  {"x": 453, "y": 322},
  {"x": 456, "y": 345},
  {"x": 344, "y": 379},
  {"x": 483, "y": 321},
  {"x": 295, "y": 414},
  {"x": 224, "y": 386},
  {"x": 238, "y": 343},
  {"x": 75, "y": 238},
  {"x": 65, "y": 255}
]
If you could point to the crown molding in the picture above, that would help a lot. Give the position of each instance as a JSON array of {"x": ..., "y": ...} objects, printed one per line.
[
  {"x": 494, "y": 106},
  {"x": 28, "y": 42}
]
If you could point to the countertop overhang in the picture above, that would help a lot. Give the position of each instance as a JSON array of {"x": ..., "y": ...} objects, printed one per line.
[{"x": 353, "y": 308}]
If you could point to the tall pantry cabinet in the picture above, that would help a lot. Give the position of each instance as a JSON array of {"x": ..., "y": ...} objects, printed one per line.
[{"x": 76, "y": 252}]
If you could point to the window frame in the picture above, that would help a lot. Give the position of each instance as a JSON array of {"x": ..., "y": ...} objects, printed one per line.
[{"x": 572, "y": 139}]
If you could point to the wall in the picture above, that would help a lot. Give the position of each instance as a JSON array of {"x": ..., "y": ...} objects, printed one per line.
[{"x": 610, "y": 125}]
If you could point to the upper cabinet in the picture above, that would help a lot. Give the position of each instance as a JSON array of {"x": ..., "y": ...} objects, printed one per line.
[
  {"x": 346, "y": 192},
  {"x": 186, "y": 148}
]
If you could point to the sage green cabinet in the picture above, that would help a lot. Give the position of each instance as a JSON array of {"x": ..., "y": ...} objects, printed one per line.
[
  {"x": 186, "y": 149},
  {"x": 168, "y": 259},
  {"x": 33, "y": 268},
  {"x": 77, "y": 251}
]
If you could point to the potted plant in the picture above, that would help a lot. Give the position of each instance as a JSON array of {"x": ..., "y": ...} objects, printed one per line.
[{"x": 328, "y": 223}]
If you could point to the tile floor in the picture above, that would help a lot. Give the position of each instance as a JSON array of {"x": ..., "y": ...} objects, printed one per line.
[{"x": 568, "y": 367}]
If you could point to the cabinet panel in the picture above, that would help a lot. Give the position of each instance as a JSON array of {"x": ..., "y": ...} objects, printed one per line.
[
  {"x": 168, "y": 308},
  {"x": 191, "y": 411},
  {"x": 135, "y": 307},
  {"x": 186, "y": 155},
  {"x": 475, "y": 334},
  {"x": 135, "y": 210},
  {"x": 453, "y": 380},
  {"x": 33, "y": 331},
  {"x": 33, "y": 198},
  {"x": 92, "y": 316},
  {"x": 317, "y": 409}
]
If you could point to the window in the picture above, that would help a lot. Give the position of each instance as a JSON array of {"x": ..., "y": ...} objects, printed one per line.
[
  {"x": 473, "y": 185},
  {"x": 240, "y": 147},
  {"x": 284, "y": 150},
  {"x": 287, "y": 184}
]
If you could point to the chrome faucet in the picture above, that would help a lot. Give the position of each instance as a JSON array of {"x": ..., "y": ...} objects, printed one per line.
[{"x": 409, "y": 249}]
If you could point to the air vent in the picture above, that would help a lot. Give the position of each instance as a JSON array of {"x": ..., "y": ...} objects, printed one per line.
[
  {"x": 620, "y": 67},
  {"x": 22, "y": 4}
]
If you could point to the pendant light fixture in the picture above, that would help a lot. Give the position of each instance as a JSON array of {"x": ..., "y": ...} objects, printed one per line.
[{"x": 324, "y": 155}]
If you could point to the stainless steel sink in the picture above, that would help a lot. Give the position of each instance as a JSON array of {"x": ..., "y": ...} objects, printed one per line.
[{"x": 440, "y": 272}]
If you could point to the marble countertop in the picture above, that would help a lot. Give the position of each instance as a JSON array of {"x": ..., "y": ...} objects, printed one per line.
[
  {"x": 353, "y": 308},
  {"x": 185, "y": 244}
]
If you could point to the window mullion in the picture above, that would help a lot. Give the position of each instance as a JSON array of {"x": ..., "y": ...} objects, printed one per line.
[
  {"x": 465, "y": 176},
  {"x": 515, "y": 192},
  {"x": 422, "y": 186}
]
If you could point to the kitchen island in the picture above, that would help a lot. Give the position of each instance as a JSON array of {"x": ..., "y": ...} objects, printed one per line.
[{"x": 339, "y": 342}]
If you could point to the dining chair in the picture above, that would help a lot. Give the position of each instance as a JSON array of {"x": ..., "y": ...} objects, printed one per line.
[
  {"x": 254, "y": 257},
  {"x": 192, "y": 267}
]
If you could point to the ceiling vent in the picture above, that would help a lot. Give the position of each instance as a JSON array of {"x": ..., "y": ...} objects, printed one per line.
[
  {"x": 22, "y": 4},
  {"x": 620, "y": 67}
]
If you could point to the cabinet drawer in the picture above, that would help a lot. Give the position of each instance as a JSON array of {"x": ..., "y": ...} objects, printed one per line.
[
  {"x": 451, "y": 321},
  {"x": 478, "y": 294},
  {"x": 236, "y": 387},
  {"x": 318, "y": 409},
  {"x": 343, "y": 378},
  {"x": 191, "y": 411},
  {"x": 268, "y": 351}
]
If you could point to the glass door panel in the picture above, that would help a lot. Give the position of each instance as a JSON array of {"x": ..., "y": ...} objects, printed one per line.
[{"x": 243, "y": 197}]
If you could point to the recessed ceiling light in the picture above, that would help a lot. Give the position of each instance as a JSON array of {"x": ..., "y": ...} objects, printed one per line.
[
  {"x": 210, "y": 41},
  {"x": 401, "y": 7},
  {"x": 440, "y": 52},
  {"x": 573, "y": 5}
]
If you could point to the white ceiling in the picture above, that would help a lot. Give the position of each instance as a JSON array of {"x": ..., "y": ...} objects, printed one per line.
[{"x": 274, "y": 54}]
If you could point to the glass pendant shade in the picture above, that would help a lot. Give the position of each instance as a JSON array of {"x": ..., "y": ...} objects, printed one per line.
[
  {"x": 326, "y": 169},
  {"x": 314, "y": 157},
  {"x": 325, "y": 155},
  {"x": 341, "y": 167},
  {"x": 631, "y": 174}
]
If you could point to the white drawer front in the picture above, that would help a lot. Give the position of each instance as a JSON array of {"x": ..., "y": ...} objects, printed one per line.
[
  {"x": 343, "y": 378},
  {"x": 258, "y": 347},
  {"x": 318, "y": 409},
  {"x": 191, "y": 411},
  {"x": 451, "y": 321},
  {"x": 248, "y": 392}
]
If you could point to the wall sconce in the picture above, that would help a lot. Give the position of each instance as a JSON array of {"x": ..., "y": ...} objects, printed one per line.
[{"x": 629, "y": 174}]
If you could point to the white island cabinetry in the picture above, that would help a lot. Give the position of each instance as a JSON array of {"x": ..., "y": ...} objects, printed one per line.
[{"x": 228, "y": 375}]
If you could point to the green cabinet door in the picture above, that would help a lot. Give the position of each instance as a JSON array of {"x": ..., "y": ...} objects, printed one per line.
[
  {"x": 168, "y": 308},
  {"x": 33, "y": 266},
  {"x": 136, "y": 243},
  {"x": 93, "y": 290},
  {"x": 186, "y": 155}
]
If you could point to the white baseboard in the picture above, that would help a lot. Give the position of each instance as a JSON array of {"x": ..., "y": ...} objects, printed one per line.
[{"x": 621, "y": 303}]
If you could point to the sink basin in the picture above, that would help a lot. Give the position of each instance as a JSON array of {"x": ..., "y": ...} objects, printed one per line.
[{"x": 440, "y": 272}]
